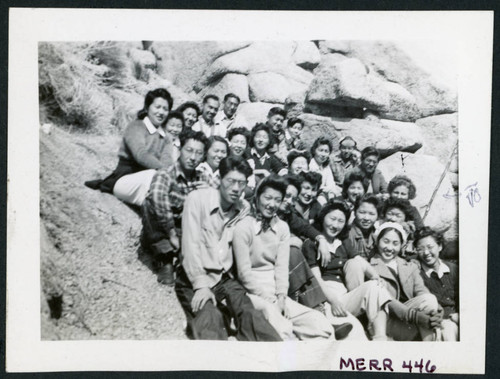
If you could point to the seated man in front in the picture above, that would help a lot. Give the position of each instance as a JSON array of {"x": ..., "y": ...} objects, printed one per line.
[{"x": 205, "y": 285}]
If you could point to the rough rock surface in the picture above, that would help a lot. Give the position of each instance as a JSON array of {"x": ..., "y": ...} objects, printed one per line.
[
  {"x": 431, "y": 95},
  {"x": 306, "y": 55},
  {"x": 425, "y": 171},
  {"x": 271, "y": 87},
  {"x": 319, "y": 126},
  {"x": 89, "y": 251},
  {"x": 256, "y": 112},
  {"x": 350, "y": 83},
  {"x": 440, "y": 137},
  {"x": 229, "y": 83},
  {"x": 326, "y": 47}
]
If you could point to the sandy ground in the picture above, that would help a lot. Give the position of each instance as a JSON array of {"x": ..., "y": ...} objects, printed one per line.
[{"x": 90, "y": 270}]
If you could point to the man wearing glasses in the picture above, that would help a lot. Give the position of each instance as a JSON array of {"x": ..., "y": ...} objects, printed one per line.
[{"x": 205, "y": 285}]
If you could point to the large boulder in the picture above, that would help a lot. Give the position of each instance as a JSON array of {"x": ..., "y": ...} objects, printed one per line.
[
  {"x": 350, "y": 83},
  {"x": 327, "y": 47},
  {"x": 184, "y": 63},
  {"x": 440, "y": 135},
  {"x": 256, "y": 112},
  {"x": 319, "y": 126},
  {"x": 229, "y": 83},
  {"x": 387, "y": 136},
  {"x": 259, "y": 57},
  {"x": 425, "y": 171},
  {"x": 272, "y": 88},
  {"x": 294, "y": 103},
  {"x": 306, "y": 55},
  {"x": 390, "y": 61}
]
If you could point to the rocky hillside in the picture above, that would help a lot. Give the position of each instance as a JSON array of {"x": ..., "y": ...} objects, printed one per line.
[{"x": 93, "y": 285}]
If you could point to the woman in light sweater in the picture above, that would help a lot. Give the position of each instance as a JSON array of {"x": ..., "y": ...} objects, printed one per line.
[
  {"x": 261, "y": 250},
  {"x": 145, "y": 148}
]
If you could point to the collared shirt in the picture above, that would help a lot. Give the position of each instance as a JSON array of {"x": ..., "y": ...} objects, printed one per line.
[
  {"x": 355, "y": 243},
  {"x": 340, "y": 167},
  {"x": 207, "y": 236},
  {"x": 335, "y": 269},
  {"x": 262, "y": 256},
  {"x": 167, "y": 193},
  {"x": 211, "y": 129},
  {"x": 442, "y": 269},
  {"x": 261, "y": 158},
  {"x": 153, "y": 129},
  {"x": 328, "y": 186},
  {"x": 293, "y": 143},
  {"x": 212, "y": 177},
  {"x": 237, "y": 121}
]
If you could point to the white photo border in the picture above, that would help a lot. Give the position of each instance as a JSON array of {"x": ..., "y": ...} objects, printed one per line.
[{"x": 471, "y": 31}]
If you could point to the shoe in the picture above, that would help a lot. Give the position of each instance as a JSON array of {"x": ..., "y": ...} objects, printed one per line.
[
  {"x": 342, "y": 330},
  {"x": 93, "y": 184},
  {"x": 166, "y": 274}
]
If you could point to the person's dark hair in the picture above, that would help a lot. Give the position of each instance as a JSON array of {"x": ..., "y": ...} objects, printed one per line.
[
  {"x": 258, "y": 127},
  {"x": 403, "y": 180},
  {"x": 213, "y": 139},
  {"x": 272, "y": 181},
  {"x": 176, "y": 115},
  {"x": 314, "y": 178},
  {"x": 229, "y": 95},
  {"x": 370, "y": 150},
  {"x": 237, "y": 131},
  {"x": 427, "y": 231},
  {"x": 233, "y": 163},
  {"x": 210, "y": 96},
  {"x": 352, "y": 178},
  {"x": 293, "y": 180},
  {"x": 348, "y": 138},
  {"x": 150, "y": 97},
  {"x": 294, "y": 154},
  {"x": 321, "y": 141},
  {"x": 276, "y": 110},
  {"x": 294, "y": 120},
  {"x": 191, "y": 134},
  {"x": 330, "y": 206},
  {"x": 387, "y": 230},
  {"x": 189, "y": 104},
  {"x": 369, "y": 198},
  {"x": 403, "y": 205}
]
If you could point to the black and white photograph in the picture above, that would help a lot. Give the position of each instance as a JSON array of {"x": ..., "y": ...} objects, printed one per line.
[{"x": 299, "y": 198}]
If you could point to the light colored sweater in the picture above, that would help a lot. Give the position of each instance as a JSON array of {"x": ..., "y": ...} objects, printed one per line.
[{"x": 262, "y": 256}]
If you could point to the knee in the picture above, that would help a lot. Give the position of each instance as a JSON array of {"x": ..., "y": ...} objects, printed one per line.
[
  {"x": 208, "y": 323},
  {"x": 429, "y": 303}
]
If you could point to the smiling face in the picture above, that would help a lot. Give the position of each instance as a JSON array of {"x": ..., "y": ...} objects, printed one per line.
[
  {"x": 174, "y": 127},
  {"x": 366, "y": 215},
  {"x": 299, "y": 165},
  {"x": 232, "y": 186},
  {"x": 295, "y": 130},
  {"x": 369, "y": 164},
  {"x": 261, "y": 140},
  {"x": 400, "y": 192},
  {"x": 158, "y": 111},
  {"x": 238, "y": 144},
  {"x": 289, "y": 200},
  {"x": 230, "y": 106},
  {"x": 333, "y": 223},
  {"x": 269, "y": 202},
  {"x": 389, "y": 245},
  {"x": 209, "y": 110},
  {"x": 307, "y": 193},
  {"x": 276, "y": 122},
  {"x": 355, "y": 191},
  {"x": 321, "y": 154},
  {"x": 192, "y": 153},
  {"x": 190, "y": 116},
  {"x": 428, "y": 251},
  {"x": 395, "y": 215},
  {"x": 346, "y": 149},
  {"x": 215, "y": 154}
]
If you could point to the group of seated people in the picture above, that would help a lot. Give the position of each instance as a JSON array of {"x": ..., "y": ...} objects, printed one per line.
[{"x": 266, "y": 241}]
